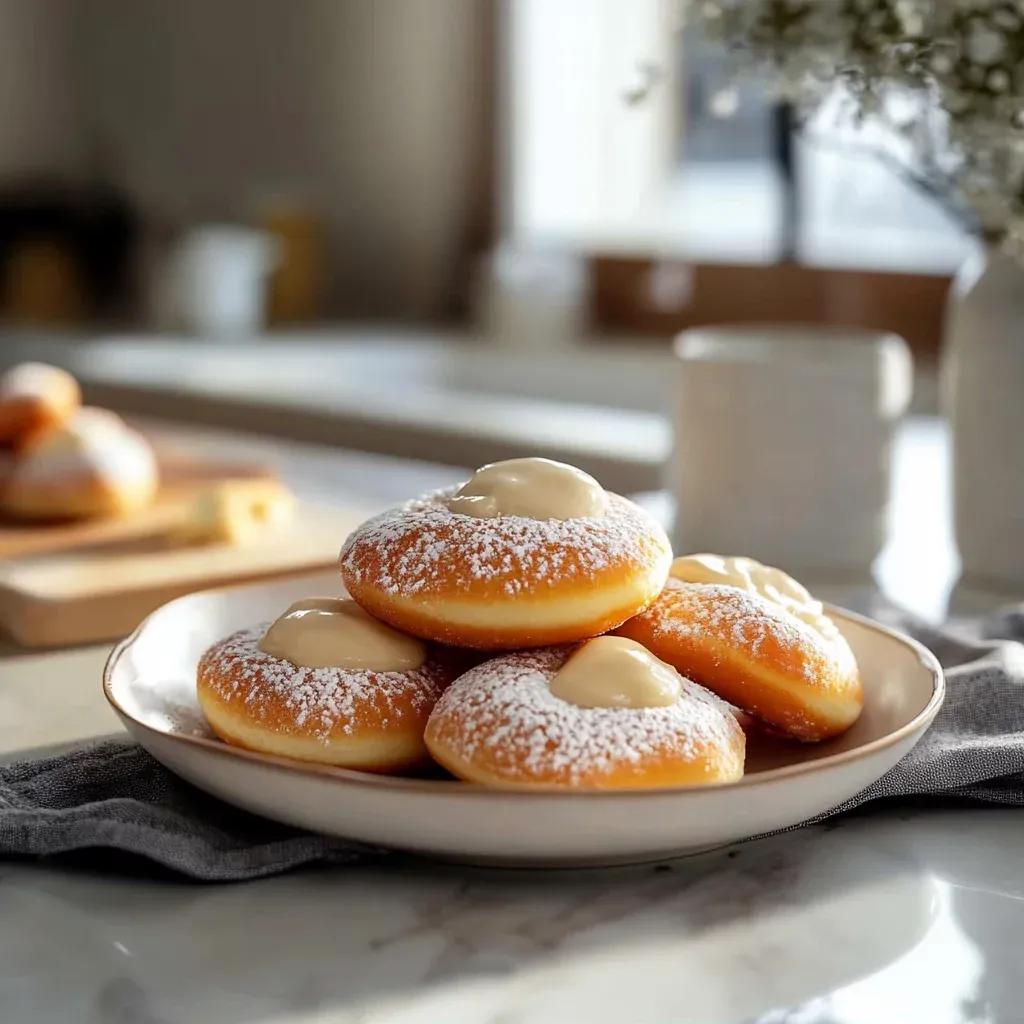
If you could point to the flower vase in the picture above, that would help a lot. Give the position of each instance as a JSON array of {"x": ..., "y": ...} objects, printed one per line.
[{"x": 983, "y": 390}]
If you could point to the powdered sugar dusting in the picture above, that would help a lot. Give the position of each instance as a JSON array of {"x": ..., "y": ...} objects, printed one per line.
[
  {"x": 504, "y": 710},
  {"x": 745, "y": 621},
  {"x": 30, "y": 380},
  {"x": 423, "y": 548},
  {"x": 95, "y": 443},
  {"x": 318, "y": 702}
]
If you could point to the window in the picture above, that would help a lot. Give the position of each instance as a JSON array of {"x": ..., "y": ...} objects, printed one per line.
[{"x": 673, "y": 177}]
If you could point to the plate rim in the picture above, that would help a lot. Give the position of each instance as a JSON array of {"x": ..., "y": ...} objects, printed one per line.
[{"x": 919, "y": 722}]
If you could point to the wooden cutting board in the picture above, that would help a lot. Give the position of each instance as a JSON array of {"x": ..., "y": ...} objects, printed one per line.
[{"x": 85, "y": 582}]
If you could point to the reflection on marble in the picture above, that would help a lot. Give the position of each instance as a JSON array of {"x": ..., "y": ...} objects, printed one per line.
[
  {"x": 938, "y": 981},
  {"x": 894, "y": 916}
]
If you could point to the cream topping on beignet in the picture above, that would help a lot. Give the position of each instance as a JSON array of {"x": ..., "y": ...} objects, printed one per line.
[
  {"x": 329, "y": 632},
  {"x": 747, "y": 574},
  {"x": 613, "y": 672},
  {"x": 532, "y": 489}
]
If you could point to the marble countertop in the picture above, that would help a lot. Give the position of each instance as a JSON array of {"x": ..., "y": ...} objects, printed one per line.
[{"x": 893, "y": 915}]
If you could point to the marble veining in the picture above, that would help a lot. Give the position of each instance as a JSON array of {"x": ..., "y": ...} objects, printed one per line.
[{"x": 900, "y": 916}]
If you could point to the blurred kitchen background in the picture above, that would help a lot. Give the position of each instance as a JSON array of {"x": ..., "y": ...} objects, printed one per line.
[{"x": 437, "y": 229}]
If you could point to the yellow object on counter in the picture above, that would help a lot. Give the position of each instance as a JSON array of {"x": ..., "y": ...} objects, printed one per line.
[
  {"x": 42, "y": 285},
  {"x": 295, "y": 286},
  {"x": 237, "y": 512}
]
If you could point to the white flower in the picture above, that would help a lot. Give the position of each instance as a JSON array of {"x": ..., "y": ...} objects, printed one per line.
[
  {"x": 998, "y": 80},
  {"x": 724, "y": 102},
  {"x": 1005, "y": 18},
  {"x": 959, "y": 64},
  {"x": 984, "y": 46},
  {"x": 910, "y": 16},
  {"x": 956, "y": 103}
]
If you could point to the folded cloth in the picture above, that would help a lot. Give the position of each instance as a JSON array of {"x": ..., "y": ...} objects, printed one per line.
[
  {"x": 975, "y": 747},
  {"x": 114, "y": 796}
]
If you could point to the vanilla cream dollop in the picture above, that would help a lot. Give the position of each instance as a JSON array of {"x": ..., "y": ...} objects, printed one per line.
[
  {"x": 328, "y": 632},
  {"x": 613, "y": 672},
  {"x": 747, "y": 574},
  {"x": 532, "y": 489}
]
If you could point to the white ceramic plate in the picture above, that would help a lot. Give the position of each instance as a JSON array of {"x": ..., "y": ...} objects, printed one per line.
[{"x": 150, "y": 681}]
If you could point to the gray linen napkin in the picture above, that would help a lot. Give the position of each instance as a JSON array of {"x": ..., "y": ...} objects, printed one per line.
[{"x": 114, "y": 796}]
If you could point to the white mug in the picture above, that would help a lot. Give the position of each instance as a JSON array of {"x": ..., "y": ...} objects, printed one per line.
[
  {"x": 531, "y": 297},
  {"x": 217, "y": 280},
  {"x": 782, "y": 444}
]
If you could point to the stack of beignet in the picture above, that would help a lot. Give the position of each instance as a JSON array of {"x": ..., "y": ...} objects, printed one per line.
[
  {"x": 60, "y": 460},
  {"x": 532, "y": 629}
]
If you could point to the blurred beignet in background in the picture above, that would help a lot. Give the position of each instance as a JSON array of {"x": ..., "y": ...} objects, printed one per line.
[
  {"x": 93, "y": 465},
  {"x": 34, "y": 397}
]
